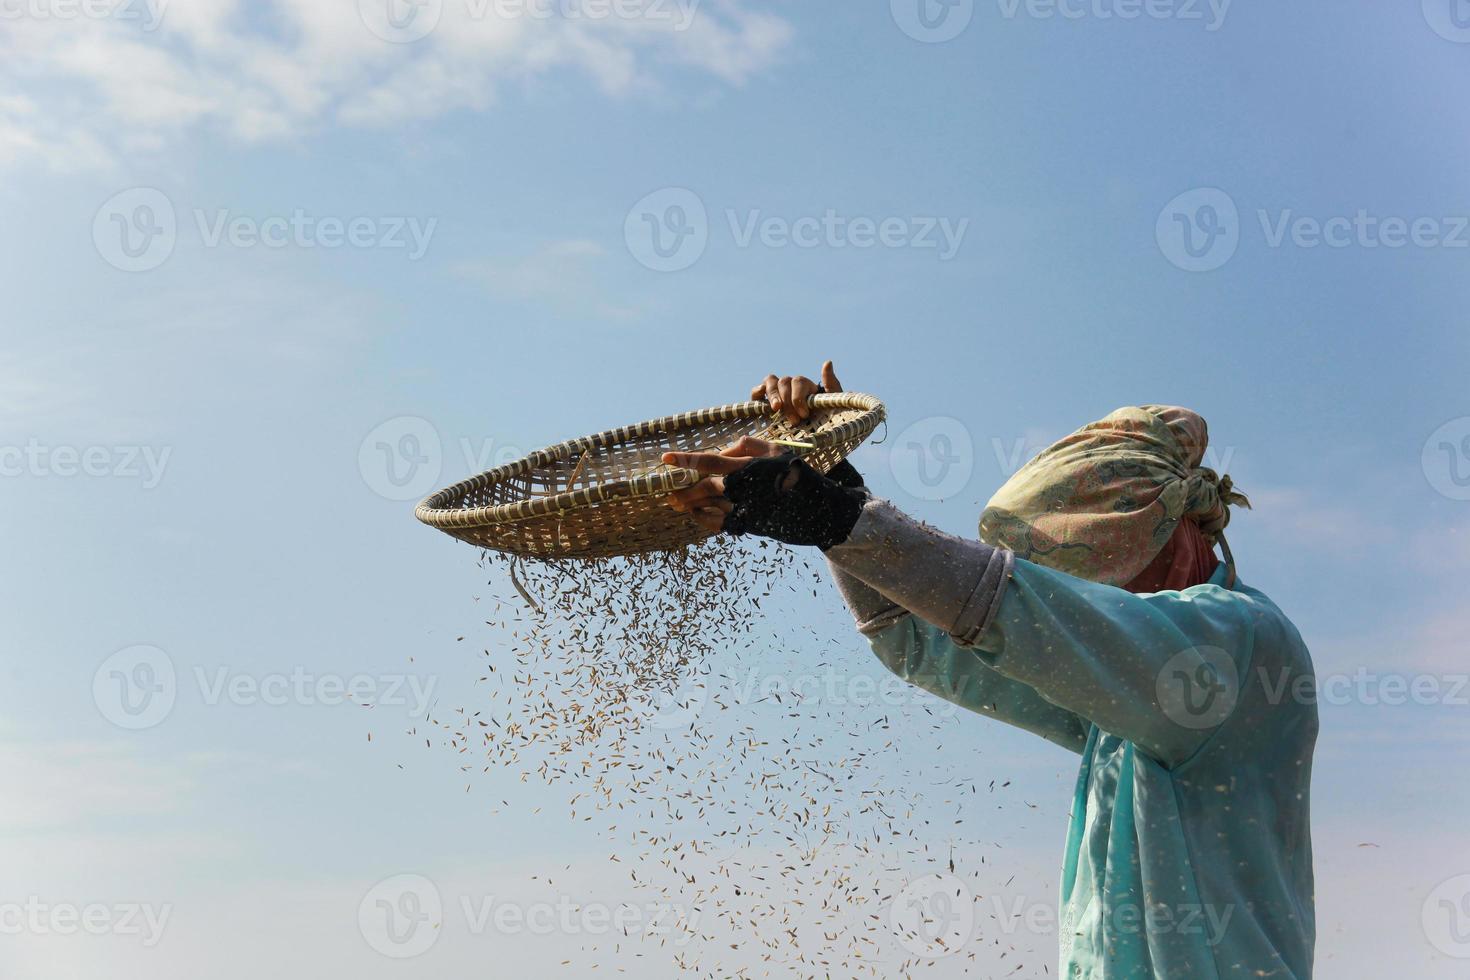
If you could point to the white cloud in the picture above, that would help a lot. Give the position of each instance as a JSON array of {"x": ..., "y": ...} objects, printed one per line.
[{"x": 98, "y": 88}]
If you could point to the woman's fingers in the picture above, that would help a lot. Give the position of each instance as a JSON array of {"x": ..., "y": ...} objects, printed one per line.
[
  {"x": 710, "y": 464},
  {"x": 788, "y": 404},
  {"x": 829, "y": 378},
  {"x": 793, "y": 398},
  {"x": 700, "y": 495},
  {"x": 773, "y": 392},
  {"x": 712, "y": 518},
  {"x": 789, "y": 394},
  {"x": 752, "y": 448},
  {"x": 802, "y": 389}
]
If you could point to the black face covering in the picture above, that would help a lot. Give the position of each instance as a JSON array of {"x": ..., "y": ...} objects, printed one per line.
[{"x": 785, "y": 499}]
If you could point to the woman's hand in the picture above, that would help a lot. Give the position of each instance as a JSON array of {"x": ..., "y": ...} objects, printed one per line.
[
  {"x": 705, "y": 501},
  {"x": 789, "y": 395},
  {"x": 780, "y": 497}
]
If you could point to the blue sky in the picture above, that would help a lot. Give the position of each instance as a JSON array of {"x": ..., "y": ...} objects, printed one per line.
[{"x": 1005, "y": 224}]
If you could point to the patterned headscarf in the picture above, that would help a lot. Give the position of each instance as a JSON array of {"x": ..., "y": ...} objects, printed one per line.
[{"x": 1102, "y": 503}]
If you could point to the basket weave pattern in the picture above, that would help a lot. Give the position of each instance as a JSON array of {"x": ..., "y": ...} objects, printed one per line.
[{"x": 602, "y": 495}]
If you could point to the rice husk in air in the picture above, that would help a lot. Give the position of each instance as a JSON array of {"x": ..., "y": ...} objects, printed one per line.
[{"x": 752, "y": 809}]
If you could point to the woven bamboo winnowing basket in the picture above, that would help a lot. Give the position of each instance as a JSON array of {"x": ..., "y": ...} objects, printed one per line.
[{"x": 602, "y": 495}]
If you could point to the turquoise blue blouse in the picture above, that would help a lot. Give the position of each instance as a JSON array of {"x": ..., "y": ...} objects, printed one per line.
[{"x": 1189, "y": 853}]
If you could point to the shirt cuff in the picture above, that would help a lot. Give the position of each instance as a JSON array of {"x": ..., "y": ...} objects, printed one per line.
[{"x": 953, "y": 583}]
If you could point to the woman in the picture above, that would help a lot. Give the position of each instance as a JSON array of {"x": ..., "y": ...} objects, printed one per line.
[{"x": 1093, "y": 612}]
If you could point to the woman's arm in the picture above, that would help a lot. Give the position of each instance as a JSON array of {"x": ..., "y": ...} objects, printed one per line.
[
  {"x": 1161, "y": 670},
  {"x": 928, "y": 658}
]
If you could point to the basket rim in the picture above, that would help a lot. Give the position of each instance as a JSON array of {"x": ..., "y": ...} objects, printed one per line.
[{"x": 432, "y": 510}]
